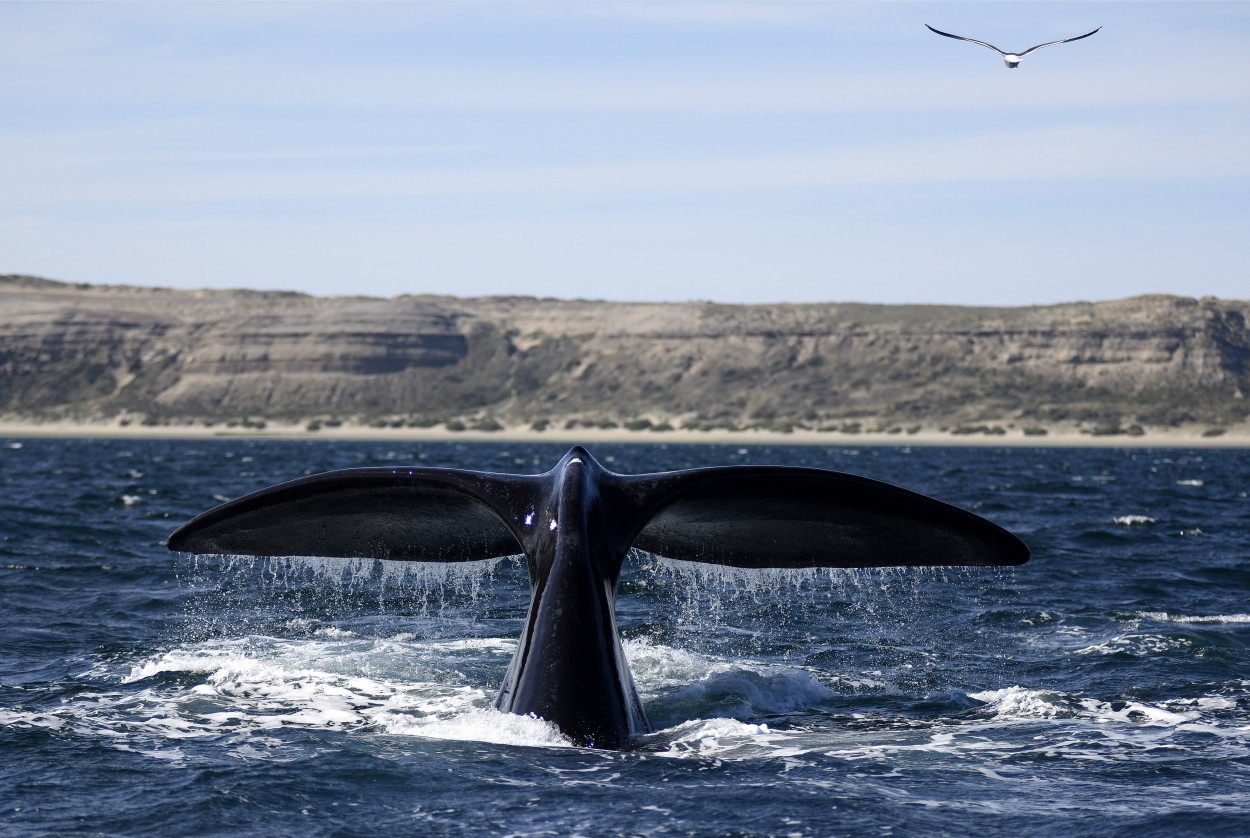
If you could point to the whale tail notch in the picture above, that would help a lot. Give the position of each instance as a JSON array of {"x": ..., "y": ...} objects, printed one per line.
[{"x": 745, "y": 516}]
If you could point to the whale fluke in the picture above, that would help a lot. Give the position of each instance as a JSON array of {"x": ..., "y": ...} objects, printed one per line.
[
  {"x": 575, "y": 524},
  {"x": 410, "y": 514}
]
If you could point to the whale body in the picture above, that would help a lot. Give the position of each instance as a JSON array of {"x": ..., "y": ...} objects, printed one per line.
[{"x": 575, "y": 524}]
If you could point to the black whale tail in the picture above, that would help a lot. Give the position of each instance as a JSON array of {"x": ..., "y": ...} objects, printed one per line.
[
  {"x": 745, "y": 516},
  {"x": 575, "y": 524},
  {"x": 409, "y": 514},
  {"x": 781, "y": 517}
]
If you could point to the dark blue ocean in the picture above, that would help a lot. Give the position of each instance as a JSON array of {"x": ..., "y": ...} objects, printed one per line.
[{"x": 1101, "y": 689}]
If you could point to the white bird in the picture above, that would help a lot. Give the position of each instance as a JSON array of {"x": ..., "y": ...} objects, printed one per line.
[{"x": 1011, "y": 59}]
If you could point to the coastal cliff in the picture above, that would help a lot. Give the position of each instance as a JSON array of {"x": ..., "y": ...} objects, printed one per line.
[{"x": 159, "y": 356}]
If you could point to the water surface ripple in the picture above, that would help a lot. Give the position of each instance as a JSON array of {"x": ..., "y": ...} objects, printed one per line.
[{"x": 1101, "y": 689}]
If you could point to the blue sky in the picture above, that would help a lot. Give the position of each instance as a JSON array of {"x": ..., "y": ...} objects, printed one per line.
[{"x": 740, "y": 152}]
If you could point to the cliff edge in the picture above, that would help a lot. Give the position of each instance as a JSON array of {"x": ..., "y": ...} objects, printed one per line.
[{"x": 90, "y": 353}]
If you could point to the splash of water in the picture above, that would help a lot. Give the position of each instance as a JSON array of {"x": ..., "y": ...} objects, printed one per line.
[
  {"x": 702, "y": 592},
  {"x": 229, "y": 593}
]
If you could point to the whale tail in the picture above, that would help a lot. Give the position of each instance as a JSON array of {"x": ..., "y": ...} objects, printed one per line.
[
  {"x": 780, "y": 517},
  {"x": 745, "y": 516},
  {"x": 575, "y": 524},
  {"x": 418, "y": 514}
]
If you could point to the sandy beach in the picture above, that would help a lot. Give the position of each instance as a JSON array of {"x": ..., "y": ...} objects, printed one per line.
[{"x": 1198, "y": 437}]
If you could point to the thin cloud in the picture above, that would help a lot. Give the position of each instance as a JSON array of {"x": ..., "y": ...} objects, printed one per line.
[{"x": 698, "y": 145}]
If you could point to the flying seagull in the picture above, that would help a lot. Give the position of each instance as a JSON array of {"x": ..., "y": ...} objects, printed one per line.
[{"x": 1011, "y": 59}]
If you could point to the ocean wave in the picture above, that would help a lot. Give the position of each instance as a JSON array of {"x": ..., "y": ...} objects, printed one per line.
[
  {"x": 1135, "y": 712},
  {"x": 1213, "y": 619},
  {"x": 680, "y": 686},
  {"x": 1209, "y": 703},
  {"x": 1133, "y": 520},
  {"x": 332, "y": 678},
  {"x": 293, "y": 687},
  {"x": 744, "y": 693},
  {"x": 659, "y": 666},
  {"x": 1138, "y": 645},
  {"x": 721, "y": 738},
  {"x": 1021, "y": 703},
  {"x": 333, "y": 681},
  {"x": 484, "y": 724}
]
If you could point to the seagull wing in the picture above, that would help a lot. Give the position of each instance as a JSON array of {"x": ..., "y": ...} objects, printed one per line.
[
  {"x": 1052, "y": 43},
  {"x": 983, "y": 43}
]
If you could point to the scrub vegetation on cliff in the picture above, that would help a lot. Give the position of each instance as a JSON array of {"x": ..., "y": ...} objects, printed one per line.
[{"x": 160, "y": 356}]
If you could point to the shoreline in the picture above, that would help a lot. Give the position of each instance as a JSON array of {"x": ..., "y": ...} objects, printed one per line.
[{"x": 1055, "y": 437}]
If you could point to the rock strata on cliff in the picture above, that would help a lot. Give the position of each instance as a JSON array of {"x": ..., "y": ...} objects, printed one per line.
[{"x": 92, "y": 352}]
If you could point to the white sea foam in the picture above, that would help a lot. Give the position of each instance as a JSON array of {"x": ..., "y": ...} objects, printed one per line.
[
  {"x": 498, "y": 645},
  {"x": 332, "y": 678},
  {"x": 723, "y": 738},
  {"x": 660, "y": 666},
  {"x": 481, "y": 725},
  {"x": 1020, "y": 703},
  {"x": 250, "y": 688},
  {"x": 258, "y": 684},
  {"x": 1135, "y": 712},
  {"x": 338, "y": 677},
  {"x": 18, "y": 718},
  {"x": 1189, "y": 483},
  {"x": 1215, "y": 619},
  {"x": 1133, "y": 520},
  {"x": 1139, "y": 645},
  {"x": 1209, "y": 703}
]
